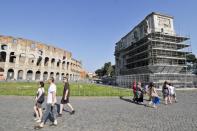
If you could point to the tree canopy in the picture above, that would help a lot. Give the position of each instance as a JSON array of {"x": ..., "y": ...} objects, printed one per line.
[{"x": 107, "y": 70}]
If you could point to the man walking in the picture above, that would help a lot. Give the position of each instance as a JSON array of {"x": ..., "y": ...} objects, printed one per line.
[
  {"x": 50, "y": 107},
  {"x": 65, "y": 97}
]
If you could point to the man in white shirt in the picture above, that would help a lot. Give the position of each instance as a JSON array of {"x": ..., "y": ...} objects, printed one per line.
[{"x": 51, "y": 101}]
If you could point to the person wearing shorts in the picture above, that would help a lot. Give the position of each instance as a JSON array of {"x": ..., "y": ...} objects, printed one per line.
[
  {"x": 65, "y": 97},
  {"x": 38, "y": 105}
]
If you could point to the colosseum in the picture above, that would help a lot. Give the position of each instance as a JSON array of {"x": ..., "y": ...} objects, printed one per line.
[{"x": 22, "y": 59}]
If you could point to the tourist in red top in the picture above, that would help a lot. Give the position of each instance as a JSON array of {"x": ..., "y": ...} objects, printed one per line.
[{"x": 134, "y": 87}]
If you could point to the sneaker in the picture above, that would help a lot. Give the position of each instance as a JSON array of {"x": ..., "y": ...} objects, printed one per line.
[
  {"x": 55, "y": 123},
  {"x": 72, "y": 112},
  {"x": 38, "y": 121},
  {"x": 59, "y": 115}
]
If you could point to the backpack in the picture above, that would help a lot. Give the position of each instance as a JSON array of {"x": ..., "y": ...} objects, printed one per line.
[{"x": 41, "y": 98}]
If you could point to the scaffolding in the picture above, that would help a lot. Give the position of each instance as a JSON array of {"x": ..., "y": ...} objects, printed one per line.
[{"x": 156, "y": 58}]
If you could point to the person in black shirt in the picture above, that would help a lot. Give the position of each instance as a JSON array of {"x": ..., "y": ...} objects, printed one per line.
[{"x": 65, "y": 97}]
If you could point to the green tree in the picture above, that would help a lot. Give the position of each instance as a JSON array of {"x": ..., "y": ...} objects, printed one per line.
[
  {"x": 99, "y": 72},
  {"x": 191, "y": 58},
  {"x": 107, "y": 70},
  {"x": 113, "y": 70}
]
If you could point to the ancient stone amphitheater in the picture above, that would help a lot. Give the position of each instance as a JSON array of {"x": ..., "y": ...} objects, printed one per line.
[{"x": 22, "y": 59}]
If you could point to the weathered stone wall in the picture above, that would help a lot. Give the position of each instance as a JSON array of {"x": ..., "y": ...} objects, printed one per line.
[{"x": 22, "y": 59}]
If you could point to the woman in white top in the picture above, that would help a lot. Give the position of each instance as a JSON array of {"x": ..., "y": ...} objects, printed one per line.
[
  {"x": 39, "y": 100},
  {"x": 172, "y": 93}
]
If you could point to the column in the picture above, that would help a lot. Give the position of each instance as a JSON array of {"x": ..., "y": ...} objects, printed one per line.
[
  {"x": 41, "y": 75},
  {"x": 7, "y": 57},
  {"x": 5, "y": 73},
  {"x": 17, "y": 61},
  {"x": 60, "y": 66},
  {"x": 15, "y": 74},
  {"x": 24, "y": 75},
  {"x": 34, "y": 75}
]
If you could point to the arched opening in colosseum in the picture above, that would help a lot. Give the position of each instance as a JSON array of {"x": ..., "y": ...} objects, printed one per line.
[
  {"x": 68, "y": 76},
  {"x": 51, "y": 74},
  {"x": 12, "y": 57},
  {"x": 31, "y": 59},
  {"x": 52, "y": 62},
  {"x": 45, "y": 76},
  {"x": 58, "y": 63},
  {"x": 22, "y": 58},
  {"x": 29, "y": 75},
  {"x": 62, "y": 76},
  {"x": 20, "y": 75},
  {"x": 57, "y": 76},
  {"x": 40, "y": 52},
  {"x": 2, "y": 56},
  {"x": 63, "y": 64},
  {"x": 4, "y": 47},
  {"x": 64, "y": 57},
  {"x": 38, "y": 74},
  {"x": 67, "y": 65},
  {"x": 1, "y": 74},
  {"x": 46, "y": 61},
  {"x": 10, "y": 74},
  {"x": 39, "y": 61}
]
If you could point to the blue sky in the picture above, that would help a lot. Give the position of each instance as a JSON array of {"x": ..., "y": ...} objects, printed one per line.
[{"x": 90, "y": 28}]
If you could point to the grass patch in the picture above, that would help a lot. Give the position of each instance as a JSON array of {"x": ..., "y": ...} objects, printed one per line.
[{"x": 77, "y": 89}]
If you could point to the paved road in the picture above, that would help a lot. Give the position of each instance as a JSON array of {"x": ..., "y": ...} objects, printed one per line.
[{"x": 105, "y": 114}]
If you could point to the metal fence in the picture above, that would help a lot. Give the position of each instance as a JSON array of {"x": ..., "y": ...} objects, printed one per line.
[{"x": 178, "y": 80}]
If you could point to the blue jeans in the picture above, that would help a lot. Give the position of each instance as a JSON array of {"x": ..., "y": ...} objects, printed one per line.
[{"x": 50, "y": 113}]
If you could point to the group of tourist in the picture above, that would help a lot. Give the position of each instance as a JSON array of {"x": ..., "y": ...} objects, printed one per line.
[
  {"x": 168, "y": 91},
  {"x": 51, "y": 103}
]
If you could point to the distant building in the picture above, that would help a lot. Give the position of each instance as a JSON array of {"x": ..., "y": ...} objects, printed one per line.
[
  {"x": 22, "y": 59},
  {"x": 91, "y": 75},
  {"x": 153, "y": 51}
]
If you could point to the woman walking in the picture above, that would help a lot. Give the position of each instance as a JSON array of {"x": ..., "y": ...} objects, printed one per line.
[
  {"x": 65, "y": 97},
  {"x": 139, "y": 92},
  {"x": 172, "y": 93},
  {"x": 165, "y": 91},
  {"x": 154, "y": 96},
  {"x": 134, "y": 88},
  {"x": 39, "y": 100}
]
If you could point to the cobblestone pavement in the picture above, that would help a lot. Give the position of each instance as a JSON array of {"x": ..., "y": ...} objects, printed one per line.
[{"x": 105, "y": 114}]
